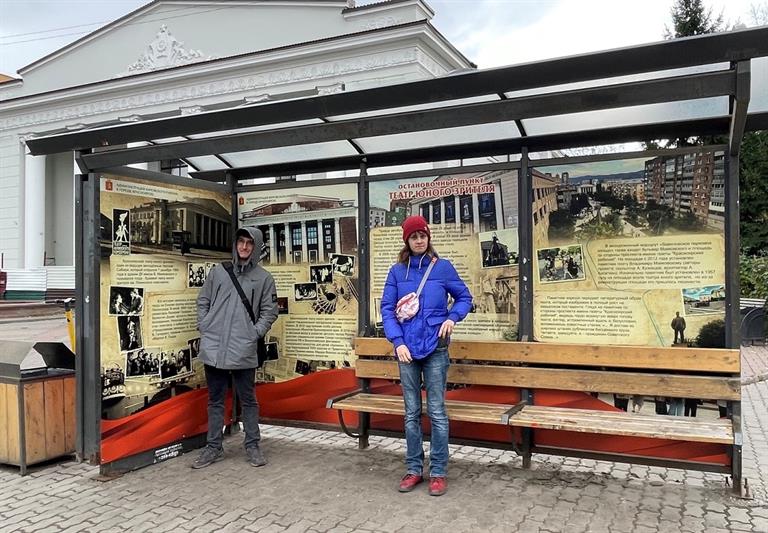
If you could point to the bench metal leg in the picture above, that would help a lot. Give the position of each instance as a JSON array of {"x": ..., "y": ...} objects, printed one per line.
[
  {"x": 364, "y": 419},
  {"x": 526, "y": 395},
  {"x": 527, "y": 440},
  {"x": 739, "y": 487},
  {"x": 365, "y": 424}
]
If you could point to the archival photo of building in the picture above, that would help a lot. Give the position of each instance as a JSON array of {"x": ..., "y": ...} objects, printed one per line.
[
  {"x": 201, "y": 223},
  {"x": 304, "y": 228},
  {"x": 473, "y": 202}
]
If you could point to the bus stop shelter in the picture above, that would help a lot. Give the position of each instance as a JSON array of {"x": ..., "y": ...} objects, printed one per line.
[{"x": 713, "y": 87}]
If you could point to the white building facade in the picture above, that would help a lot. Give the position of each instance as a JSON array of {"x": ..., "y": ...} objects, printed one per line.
[{"x": 173, "y": 57}]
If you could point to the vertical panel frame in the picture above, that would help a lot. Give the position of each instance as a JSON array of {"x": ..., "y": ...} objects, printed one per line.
[{"x": 87, "y": 324}]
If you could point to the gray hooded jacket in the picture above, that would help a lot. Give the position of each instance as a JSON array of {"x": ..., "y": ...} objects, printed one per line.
[{"x": 228, "y": 338}]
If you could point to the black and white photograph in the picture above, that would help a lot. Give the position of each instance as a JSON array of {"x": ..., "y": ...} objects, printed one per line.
[
  {"x": 304, "y": 292},
  {"x": 282, "y": 305},
  {"x": 194, "y": 347},
  {"x": 196, "y": 273},
  {"x": 175, "y": 363},
  {"x": 343, "y": 264},
  {"x": 142, "y": 362},
  {"x": 302, "y": 367},
  {"x": 564, "y": 263},
  {"x": 129, "y": 333},
  {"x": 126, "y": 301},
  {"x": 498, "y": 248},
  {"x": 112, "y": 383},
  {"x": 321, "y": 273},
  {"x": 121, "y": 232}
]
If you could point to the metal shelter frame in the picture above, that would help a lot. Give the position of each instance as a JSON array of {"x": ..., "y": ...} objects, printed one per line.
[{"x": 433, "y": 107}]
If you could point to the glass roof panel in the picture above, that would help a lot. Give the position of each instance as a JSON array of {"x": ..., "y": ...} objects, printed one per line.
[
  {"x": 168, "y": 140},
  {"x": 604, "y": 82},
  {"x": 206, "y": 162},
  {"x": 263, "y": 127},
  {"x": 627, "y": 116},
  {"x": 758, "y": 102},
  {"x": 290, "y": 154},
  {"x": 419, "y": 107},
  {"x": 446, "y": 136}
]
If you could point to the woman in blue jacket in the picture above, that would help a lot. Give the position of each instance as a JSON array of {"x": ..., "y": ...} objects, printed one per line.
[{"x": 421, "y": 346}]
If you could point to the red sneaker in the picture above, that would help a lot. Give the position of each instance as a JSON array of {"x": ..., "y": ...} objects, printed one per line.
[
  {"x": 409, "y": 482},
  {"x": 437, "y": 486}
]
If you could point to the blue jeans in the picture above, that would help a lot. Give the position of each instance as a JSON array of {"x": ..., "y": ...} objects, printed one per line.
[
  {"x": 218, "y": 382},
  {"x": 434, "y": 371}
]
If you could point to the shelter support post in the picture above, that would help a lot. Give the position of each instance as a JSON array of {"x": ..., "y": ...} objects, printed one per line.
[
  {"x": 525, "y": 281},
  {"x": 738, "y": 105},
  {"x": 364, "y": 305},
  {"x": 87, "y": 305}
]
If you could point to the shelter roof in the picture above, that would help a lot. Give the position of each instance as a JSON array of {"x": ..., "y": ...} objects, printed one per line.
[{"x": 693, "y": 86}]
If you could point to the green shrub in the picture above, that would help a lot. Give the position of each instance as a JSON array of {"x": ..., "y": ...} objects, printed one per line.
[{"x": 712, "y": 335}]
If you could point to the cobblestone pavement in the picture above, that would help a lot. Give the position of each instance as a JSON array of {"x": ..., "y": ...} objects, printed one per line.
[{"x": 320, "y": 481}]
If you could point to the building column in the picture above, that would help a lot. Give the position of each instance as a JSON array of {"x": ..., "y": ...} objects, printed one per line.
[
  {"x": 304, "y": 242},
  {"x": 476, "y": 213},
  {"x": 272, "y": 245},
  {"x": 431, "y": 211},
  {"x": 499, "y": 207},
  {"x": 288, "y": 243},
  {"x": 457, "y": 210},
  {"x": 320, "y": 242},
  {"x": 442, "y": 210},
  {"x": 337, "y": 239},
  {"x": 34, "y": 210}
]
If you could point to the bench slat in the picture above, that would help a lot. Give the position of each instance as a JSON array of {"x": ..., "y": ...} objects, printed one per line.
[
  {"x": 558, "y": 418},
  {"x": 393, "y": 405},
  {"x": 676, "y": 386},
  {"x": 713, "y": 360},
  {"x": 633, "y": 425}
]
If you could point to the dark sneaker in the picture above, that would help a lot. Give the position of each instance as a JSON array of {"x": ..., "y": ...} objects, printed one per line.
[
  {"x": 208, "y": 456},
  {"x": 437, "y": 486},
  {"x": 409, "y": 482},
  {"x": 255, "y": 457}
]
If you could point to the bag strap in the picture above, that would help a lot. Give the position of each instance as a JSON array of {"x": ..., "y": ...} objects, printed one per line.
[
  {"x": 231, "y": 271},
  {"x": 426, "y": 275}
]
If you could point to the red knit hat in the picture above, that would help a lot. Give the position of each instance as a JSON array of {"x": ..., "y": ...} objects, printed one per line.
[{"x": 415, "y": 223}]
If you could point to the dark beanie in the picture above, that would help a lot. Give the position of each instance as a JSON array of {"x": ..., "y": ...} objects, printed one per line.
[{"x": 415, "y": 223}]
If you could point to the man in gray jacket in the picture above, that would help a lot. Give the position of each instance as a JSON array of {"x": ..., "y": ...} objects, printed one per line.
[{"x": 229, "y": 337}]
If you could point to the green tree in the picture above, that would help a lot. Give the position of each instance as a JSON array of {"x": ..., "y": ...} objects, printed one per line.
[
  {"x": 690, "y": 17},
  {"x": 712, "y": 335},
  {"x": 659, "y": 217},
  {"x": 687, "y": 222},
  {"x": 561, "y": 224},
  {"x": 754, "y": 276},
  {"x": 753, "y": 194}
]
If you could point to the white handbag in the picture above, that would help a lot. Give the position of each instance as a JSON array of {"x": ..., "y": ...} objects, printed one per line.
[{"x": 408, "y": 305}]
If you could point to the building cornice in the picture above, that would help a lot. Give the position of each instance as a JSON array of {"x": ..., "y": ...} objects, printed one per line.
[
  {"x": 251, "y": 59},
  {"x": 190, "y": 85},
  {"x": 239, "y": 86}
]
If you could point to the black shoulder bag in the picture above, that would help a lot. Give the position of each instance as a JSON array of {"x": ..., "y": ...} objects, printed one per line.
[{"x": 261, "y": 346}]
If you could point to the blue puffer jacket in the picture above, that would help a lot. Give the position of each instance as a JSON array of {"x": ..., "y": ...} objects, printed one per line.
[{"x": 419, "y": 333}]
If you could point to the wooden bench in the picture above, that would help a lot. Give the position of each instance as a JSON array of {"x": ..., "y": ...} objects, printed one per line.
[{"x": 675, "y": 372}]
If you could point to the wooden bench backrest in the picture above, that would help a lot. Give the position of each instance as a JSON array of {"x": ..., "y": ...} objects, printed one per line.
[{"x": 652, "y": 371}]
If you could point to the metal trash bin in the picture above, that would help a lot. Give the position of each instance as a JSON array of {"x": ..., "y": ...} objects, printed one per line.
[{"x": 37, "y": 402}]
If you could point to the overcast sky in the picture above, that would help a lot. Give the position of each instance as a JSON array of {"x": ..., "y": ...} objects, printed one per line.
[{"x": 489, "y": 32}]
